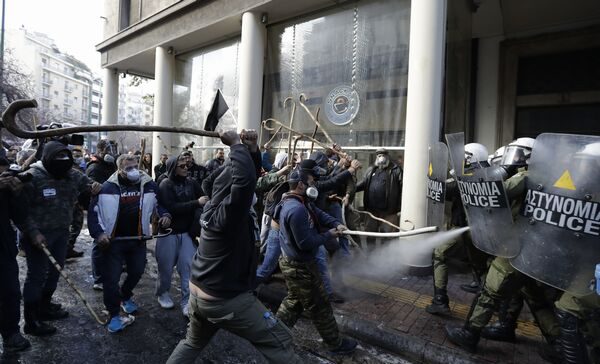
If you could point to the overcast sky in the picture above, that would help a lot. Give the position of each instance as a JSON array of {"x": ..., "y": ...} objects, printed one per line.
[{"x": 75, "y": 25}]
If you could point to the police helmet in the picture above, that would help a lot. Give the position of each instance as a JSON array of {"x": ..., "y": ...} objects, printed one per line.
[
  {"x": 517, "y": 153},
  {"x": 475, "y": 153},
  {"x": 496, "y": 158}
]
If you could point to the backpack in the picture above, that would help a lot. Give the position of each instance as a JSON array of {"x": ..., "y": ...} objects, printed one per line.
[{"x": 274, "y": 196}]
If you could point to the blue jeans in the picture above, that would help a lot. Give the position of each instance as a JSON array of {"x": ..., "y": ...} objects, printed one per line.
[
  {"x": 271, "y": 256},
  {"x": 174, "y": 250},
  {"x": 336, "y": 210},
  {"x": 42, "y": 277},
  {"x": 133, "y": 253},
  {"x": 97, "y": 257}
]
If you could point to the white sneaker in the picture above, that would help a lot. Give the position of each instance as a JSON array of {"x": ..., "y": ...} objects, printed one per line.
[
  {"x": 97, "y": 287},
  {"x": 186, "y": 310},
  {"x": 165, "y": 301}
]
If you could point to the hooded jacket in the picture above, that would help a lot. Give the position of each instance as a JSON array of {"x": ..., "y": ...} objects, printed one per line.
[
  {"x": 179, "y": 195},
  {"x": 225, "y": 262},
  {"x": 300, "y": 224},
  {"x": 51, "y": 200},
  {"x": 11, "y": 208},
  {"x": 329, "y": 184},
  {"x": 104, "y": 208}
]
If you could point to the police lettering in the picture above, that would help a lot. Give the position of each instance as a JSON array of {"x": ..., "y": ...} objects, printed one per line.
[
  {"x": 488, "y": 194},
  {"x": 563, "y": 212},
  {"x": 435, "y": 190}
]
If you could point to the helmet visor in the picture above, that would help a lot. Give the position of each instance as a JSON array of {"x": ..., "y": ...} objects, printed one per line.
[{"x": 515, "y": 156}]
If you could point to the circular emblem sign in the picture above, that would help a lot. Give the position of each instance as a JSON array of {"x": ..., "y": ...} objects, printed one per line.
[{"x": 341, "y": 105}]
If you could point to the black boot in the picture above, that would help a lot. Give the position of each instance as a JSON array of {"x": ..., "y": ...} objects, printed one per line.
[
  {"x": 439, "y": 304},
  {"x": 571, "y": 340},
  {"x": 49, "y": 311},
  {"x": 499, "y": 331},
  {"x": 16, "y": 342},
  {"x": 465, "y": 337},
  {"x": 33, "y": 326},
  {"x": 472, "y": 287}
]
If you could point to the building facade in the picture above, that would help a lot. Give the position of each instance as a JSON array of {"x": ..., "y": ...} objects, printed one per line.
[
  {"x": 63, "y": 85},
  {"x": 392, "y": 73}
]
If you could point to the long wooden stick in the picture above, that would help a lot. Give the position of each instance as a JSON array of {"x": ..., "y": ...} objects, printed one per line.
[
  {"x": 375, "y": 218},
  {"x": 272, "y": 120},
  {"x": 8, "y": 120},
  {"x": 315, "y": 119},
  {"x": 66, "y": 277}
]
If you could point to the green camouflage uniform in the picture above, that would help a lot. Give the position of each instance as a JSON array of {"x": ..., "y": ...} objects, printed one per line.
[
  {"x": 306, "y": 292},
  {"x": 503, "y": 281},
  {"x": 463, "y": 246}
]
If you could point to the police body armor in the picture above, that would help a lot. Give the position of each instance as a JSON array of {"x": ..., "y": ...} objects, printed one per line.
[
  {"x": 485, "y": 201},
  {"x": 559, "y": 222}
]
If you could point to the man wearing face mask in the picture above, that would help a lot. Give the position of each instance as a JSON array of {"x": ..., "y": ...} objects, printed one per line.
[
  {"x": 304, "y": 228},
  {"x": 123, "y": 209},
  {"x": 382, "y": 186},
  {"x": 51, "y": 196}
]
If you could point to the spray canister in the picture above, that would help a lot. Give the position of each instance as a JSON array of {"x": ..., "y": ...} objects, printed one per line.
[
  {"x": 270, "y": 319},
  {"x": 598, "y": 279}
]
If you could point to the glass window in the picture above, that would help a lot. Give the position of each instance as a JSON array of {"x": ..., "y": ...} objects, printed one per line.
[
  {"x": 199, "y": 75},
  {"x": 350, "y": 63}
]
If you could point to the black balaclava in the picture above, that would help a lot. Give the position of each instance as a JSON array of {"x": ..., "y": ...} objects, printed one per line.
[{"x": 58, "y": 168}]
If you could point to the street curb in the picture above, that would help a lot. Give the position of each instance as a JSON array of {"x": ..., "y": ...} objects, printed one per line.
[{"x": 407, "y": 346}]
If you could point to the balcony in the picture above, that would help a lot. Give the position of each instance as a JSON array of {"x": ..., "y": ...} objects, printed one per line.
[
  {"x": 47, "y": 81},
  {"x": 68, "y": 102},
  {"x": 68, "y": 89},
  {"x": 45, "y": 96},
  {"x": 68, "y": 116}
]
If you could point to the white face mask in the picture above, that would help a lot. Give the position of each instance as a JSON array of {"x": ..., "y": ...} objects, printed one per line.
[
  {"x": 381, "y": 161},
  {"x": 133, "y": 175}
]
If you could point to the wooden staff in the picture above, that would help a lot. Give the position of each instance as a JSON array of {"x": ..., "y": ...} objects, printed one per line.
[
  {"x": 8, "y": 120},
  {"x": 72, "y": 285},
  {"x": 315, "y": 119},
  {"x": 275, "y": 121}
]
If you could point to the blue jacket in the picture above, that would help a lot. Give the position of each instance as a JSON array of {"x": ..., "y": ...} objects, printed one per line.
[
  {"x": 300, "y": 227},
  {"x": 104, "y": 208}
]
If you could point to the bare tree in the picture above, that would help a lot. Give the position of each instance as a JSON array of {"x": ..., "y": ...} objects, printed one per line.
[{"x": 15, "y": 84}]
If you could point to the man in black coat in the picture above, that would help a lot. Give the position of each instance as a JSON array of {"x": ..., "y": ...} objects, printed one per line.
[
  {"x": 11, "y": 208},
  {"x": 224, "y": 266}
]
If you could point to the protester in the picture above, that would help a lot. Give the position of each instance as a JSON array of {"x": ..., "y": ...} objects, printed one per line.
[
  {"x": 181, "y": 196},
  {"x": 161, "y": 167},
  {"x": 82, "y": 200},
  {"x": 382, "y": 186},
  {"x": 197, "y": 172},
  {"x": 217, "y": 162},
  {"x": 11, "y": 209},
  {"x": 300, "y": 240},
  {"x": 147, "y": 164},
  {"x": 225, "y": 263},
  {"x": 123, "y": 209},
  {"x": 50, "y": 196}
]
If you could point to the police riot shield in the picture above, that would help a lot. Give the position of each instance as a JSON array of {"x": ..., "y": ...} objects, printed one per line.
[
  {"x": 559, "y": 222},
  {"x": 436, "y": 184},
  {"x": 485, "y": 201}
]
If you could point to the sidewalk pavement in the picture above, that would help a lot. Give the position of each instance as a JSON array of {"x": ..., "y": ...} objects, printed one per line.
[{"x": 390, "y": 313}]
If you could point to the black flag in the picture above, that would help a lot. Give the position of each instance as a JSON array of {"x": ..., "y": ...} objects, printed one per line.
[{"x": 218, "y": 109}]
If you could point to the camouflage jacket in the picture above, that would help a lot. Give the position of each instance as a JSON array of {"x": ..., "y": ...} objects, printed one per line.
[{"x": 51, "y": 200}]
